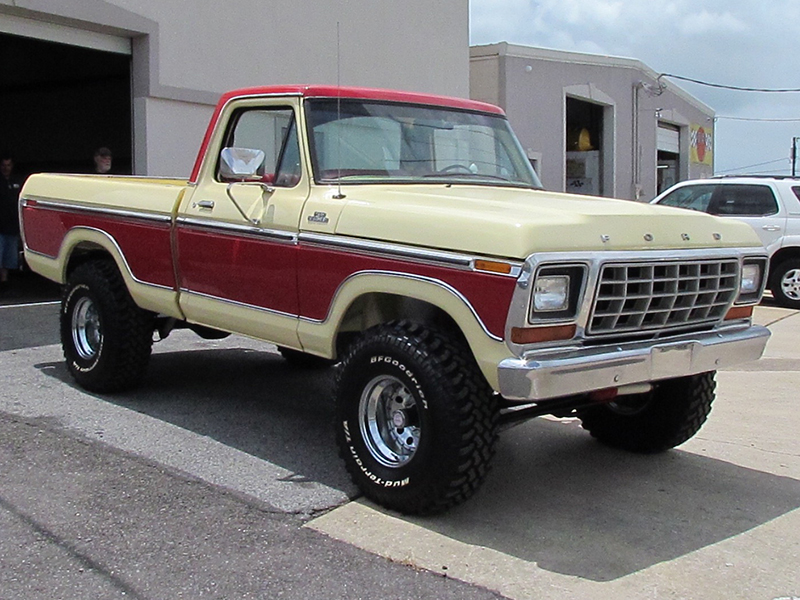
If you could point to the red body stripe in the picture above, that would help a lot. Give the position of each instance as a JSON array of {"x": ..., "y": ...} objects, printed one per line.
[
  {"x": 248, "y": 270},
  {"x": 321, "y": 272},
  {"x": 296, "y": 280},
  {"x": 145, "y": 245}
]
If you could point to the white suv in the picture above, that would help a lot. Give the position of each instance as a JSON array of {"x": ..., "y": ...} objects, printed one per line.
[{"x": 771, "y": 205}]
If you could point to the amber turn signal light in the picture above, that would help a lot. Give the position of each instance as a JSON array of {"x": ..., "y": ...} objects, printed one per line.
[
  {"x": 534, "y": 335},
  {"x": 492, "y": 266},
  {"x": 739, "y": 312}
]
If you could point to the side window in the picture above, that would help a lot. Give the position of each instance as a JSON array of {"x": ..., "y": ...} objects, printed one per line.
[
  {"x": 744, "y": 200},
  {"x": 273, "y": 131},
  {"x": 694, "y": 197}
]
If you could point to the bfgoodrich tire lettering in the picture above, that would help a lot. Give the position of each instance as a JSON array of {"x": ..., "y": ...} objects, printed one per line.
[
  {"x": 416, "y": 421},
  {"x": 665, "y": 417},
  {"x": 106, "y": 338}
]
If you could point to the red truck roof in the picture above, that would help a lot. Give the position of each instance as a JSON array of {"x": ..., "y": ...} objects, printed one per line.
[{"x": 332, "y": 91}]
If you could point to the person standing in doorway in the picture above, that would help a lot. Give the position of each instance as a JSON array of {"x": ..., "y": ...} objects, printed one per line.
[
  {"x": 102, "y": 161},
  {"x": 9, "y": 219}
]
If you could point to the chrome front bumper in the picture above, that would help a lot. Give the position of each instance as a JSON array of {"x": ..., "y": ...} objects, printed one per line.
[{"x": 550, "y": 373}]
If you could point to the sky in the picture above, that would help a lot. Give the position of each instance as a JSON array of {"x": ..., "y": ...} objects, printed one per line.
[{"x": 736, "y": 43}]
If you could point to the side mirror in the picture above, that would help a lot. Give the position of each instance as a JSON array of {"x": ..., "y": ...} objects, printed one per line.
[
  {"x": 240, "y": 163},
  {"x": 242, "y": 166}
]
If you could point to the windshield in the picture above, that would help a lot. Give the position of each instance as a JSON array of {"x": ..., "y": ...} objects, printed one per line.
[{"x": 357, "y": 141}]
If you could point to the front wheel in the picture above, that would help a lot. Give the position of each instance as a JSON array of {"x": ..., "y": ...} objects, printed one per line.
[
  {"x": 416, "y": 420},
  {"x": 106, "y": 337},
  {"x": 665, "y": 417},
  {"x": 785, "y": 283}
]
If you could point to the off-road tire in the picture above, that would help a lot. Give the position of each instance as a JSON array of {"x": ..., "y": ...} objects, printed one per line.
[
  {"x": 106, "y": 337},
  {"x": 665, "y": 417},
  {"x": 303, "y": 360},
  {"x": 448, "y": 406},
  {"x": 785, "y": 279}
]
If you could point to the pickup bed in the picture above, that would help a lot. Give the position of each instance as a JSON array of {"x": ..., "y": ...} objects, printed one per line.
[{"x": 405, "y": 238}]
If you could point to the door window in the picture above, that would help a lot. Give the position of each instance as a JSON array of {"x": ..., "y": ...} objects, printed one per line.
[
  {"x": 725, "y": 199},
  {"x": 274, "y": 132},
  {"x": 743, "y": 200},
  {"x": 694, "y": 197}
]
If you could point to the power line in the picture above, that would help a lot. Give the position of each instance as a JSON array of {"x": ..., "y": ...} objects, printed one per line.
[
  {"x": 759, "y": 120},
  {"x": 732, "y": 87},
  {"x": 770, "y": 172},
  {"x": 763, "y": 164}
]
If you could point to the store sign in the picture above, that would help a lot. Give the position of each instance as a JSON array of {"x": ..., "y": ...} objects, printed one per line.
[{"x": 701, "y": 148}]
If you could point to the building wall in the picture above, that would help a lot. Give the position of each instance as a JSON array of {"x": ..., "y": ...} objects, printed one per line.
[
  {"x": 532, "y": 84},
  {"x": 186, "y": 53}
]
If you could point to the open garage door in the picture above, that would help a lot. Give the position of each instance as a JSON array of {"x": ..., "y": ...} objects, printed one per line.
[
  {"x": 61, "y": 101},
  {"x": 668, "y": 145}
]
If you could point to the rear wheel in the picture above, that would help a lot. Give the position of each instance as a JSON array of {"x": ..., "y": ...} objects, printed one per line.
[
  {"x": 416, "y": 420},
  {"x": 106, "y": 337},
  {"x": 665, "y": 417},
  {"x": 785, "y": 283}
]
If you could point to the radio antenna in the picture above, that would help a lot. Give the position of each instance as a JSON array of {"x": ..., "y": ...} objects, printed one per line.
[{"x": 339, "y": 195}]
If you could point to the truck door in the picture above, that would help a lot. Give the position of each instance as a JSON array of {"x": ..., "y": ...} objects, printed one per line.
[{"x": 236, "y": 241}]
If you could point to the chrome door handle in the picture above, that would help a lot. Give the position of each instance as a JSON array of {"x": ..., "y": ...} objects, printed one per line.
[
  {"x": 203, "y": 204},
  {"x": 771, "y": 227}
]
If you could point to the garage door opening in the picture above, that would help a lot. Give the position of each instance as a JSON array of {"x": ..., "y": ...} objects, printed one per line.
[
  {"x": 668, "y": 144},
  {"x": 62, "y": 102},
  {"x": 585, "y": 152}
]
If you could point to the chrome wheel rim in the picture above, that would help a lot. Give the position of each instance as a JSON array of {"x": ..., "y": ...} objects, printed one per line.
[
  {"x": 389, "y": 421},
  {"x": 790, "y": 284},
  {"x": 86, "y": 334}
]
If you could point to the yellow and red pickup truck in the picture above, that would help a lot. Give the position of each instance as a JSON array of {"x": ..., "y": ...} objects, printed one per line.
[{"x": 406, "y": 238}]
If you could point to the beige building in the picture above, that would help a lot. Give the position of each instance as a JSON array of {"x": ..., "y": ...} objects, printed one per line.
[
  {"x": 596, "y": 124},
  {"x": 142, "y": 76}
]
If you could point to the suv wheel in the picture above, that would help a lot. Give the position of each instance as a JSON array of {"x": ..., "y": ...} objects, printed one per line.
[{"x": 785, "y": 283}]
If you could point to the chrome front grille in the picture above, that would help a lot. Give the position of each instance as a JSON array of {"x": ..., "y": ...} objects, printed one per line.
[{"x": 633, "y": 297}]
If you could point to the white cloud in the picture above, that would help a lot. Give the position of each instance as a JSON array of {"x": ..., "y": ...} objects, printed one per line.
[
  {"x": 706, "y": 22},
  {"x": 734, "y": 42}
]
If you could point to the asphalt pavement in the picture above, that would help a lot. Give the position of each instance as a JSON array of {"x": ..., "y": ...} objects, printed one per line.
[{"x": 218, "y": 478}]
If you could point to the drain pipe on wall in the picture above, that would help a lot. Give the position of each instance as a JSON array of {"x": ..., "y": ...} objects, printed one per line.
[{"x": 636, "y": 185}]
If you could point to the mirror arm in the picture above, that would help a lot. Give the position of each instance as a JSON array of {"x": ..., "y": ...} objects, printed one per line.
[{"x": 266, "y": 189}]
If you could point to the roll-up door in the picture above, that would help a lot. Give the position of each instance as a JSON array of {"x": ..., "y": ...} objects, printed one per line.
[
  {"x": 52, "y": 32},
  {"x": 668, "y": 138}
]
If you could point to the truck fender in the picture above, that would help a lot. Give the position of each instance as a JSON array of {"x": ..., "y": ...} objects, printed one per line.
[
  {"x": 78, "y": 240},
  {"x": 319, "y": 337}
]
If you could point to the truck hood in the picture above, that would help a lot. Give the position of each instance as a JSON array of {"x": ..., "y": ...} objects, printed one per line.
[{"x": 514, "y": 223}]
